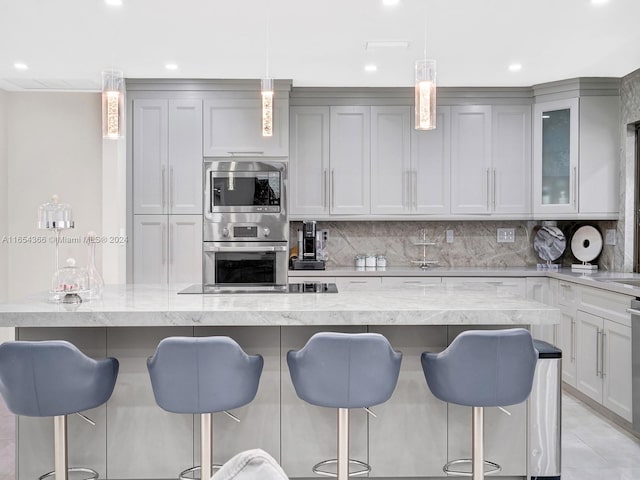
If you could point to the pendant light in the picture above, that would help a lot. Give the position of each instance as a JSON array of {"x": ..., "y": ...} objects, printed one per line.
[
  {"x": 112, "y": 104},
  {"x": 425, "y": 90},
  {"x": 266, "y": 91},
  {"x": 266, "y": 88}
]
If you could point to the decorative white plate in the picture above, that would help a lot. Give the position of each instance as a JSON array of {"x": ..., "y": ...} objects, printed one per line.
[{"x": 586, "y": 243}]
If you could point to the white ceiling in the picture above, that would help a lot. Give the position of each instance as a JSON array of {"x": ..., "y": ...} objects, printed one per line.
[{"x": 67, "y": 43}]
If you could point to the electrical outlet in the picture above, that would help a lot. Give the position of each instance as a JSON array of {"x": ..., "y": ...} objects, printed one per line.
[
  {"x": 325, "y": 235},
  {"x": 610, "y": 237},
  {"x": 449, "y": 236},
  {"x": 506, "y": 235}
]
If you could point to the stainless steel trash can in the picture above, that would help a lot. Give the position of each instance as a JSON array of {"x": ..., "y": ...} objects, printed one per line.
[{"x": 545, "y": 413}]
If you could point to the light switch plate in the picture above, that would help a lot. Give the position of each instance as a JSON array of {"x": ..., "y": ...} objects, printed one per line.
[
  {"x": 449, "y": 236},
  {"x": 610, "y": 237},
  {"x": 506, "y": 235}
]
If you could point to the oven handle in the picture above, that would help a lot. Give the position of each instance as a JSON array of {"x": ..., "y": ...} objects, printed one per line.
[
  {"x": 281, "y": 248},
  {"x": 633, "y": 311}
]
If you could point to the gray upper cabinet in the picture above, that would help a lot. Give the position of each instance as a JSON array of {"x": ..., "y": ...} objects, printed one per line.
[
  {"x": 511, "y": 159},
  {"x": 167, "y": 156},
  {"x": 233, "y": 127},
  {"x": 491, "y": 160},
  {"x": 430, "y": 166},
  {"x": 576, "y": 158},
  {"x": 409, "y": 168},
  {"x": 330, "y": 161},
  {"x": 350, "y": 158},
  {"x": 150, "y": 156},
  {"x": 470, "y": 159},
  {"x": 391, "y": 174},
  {"x": 309, "y": 161}
]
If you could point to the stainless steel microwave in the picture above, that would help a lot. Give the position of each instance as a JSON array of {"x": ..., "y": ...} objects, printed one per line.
[{"x": 244, "y": 186}]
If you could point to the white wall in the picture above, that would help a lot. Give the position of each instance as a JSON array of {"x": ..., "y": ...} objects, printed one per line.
[
  {"x": 54, "y": 147},
  {"x": 3, "y": 194}
]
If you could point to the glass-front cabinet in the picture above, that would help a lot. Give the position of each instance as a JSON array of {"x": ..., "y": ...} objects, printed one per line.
[{"x": 555, "y": 156}]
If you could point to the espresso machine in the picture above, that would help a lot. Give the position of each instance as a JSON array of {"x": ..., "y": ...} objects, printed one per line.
[{"x": 308, "y": 249}]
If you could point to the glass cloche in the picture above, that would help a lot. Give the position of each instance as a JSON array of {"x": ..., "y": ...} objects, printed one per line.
[
  {"x": 55, "y": 215},
  {"x": 69, "y": 283}
]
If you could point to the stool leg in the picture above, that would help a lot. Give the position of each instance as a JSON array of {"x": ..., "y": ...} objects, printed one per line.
[
  {"x": 206, "y": 445},
  {"x": 343, "y": 444},
  {"x": 60, "y": 447},
  {"x": 477, "y": 447}
]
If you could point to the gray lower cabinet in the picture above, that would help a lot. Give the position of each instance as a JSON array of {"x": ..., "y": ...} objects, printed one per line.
[
  {"x": 143, "y": 441},
  {"x": 409, "y": 436}
]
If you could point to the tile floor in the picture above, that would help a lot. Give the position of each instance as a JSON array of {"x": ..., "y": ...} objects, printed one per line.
[
  {"x": 592, "y": 447},
  {"x": 595, "y": 449}
]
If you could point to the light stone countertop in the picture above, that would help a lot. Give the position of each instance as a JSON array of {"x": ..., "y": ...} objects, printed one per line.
[
  {"x": 598, "y": 279},
  {"x": 153, "y": 305}
]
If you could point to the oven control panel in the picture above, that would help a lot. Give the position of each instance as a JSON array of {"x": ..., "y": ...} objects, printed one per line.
[{"x": 245, "y": 232}]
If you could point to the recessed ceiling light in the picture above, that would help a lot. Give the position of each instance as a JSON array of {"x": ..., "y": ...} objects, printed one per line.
[
  {"x": 386, "y": 44},
  {"x": 171, "y": 66},
  {"x": 515, "y": 67},
  {"x": 370, "y": 68},
  {"x": 390, "y": 2},
  {"x": 20, "y": 66},
  {"x": 113, "y": 3}
]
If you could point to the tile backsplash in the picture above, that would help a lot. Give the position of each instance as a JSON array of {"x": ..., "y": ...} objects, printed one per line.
[{"x": 474, "y": 242}]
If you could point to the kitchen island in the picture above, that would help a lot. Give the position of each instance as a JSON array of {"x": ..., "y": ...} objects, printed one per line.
[{"x": 413, "y": 435}]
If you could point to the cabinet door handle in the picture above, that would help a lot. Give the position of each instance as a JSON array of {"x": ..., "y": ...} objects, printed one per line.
[
  {"x": 493, "y": 190},
  {"x": 171, "y": 242},
  {"x": 575, "y": 184},
  {"x": 324, "y": 188},
  {"x": 247, "y": 153},
  {"x": 488, "y": 191},
  {"x": 404, "y": 188},
  {"x": 333, "y": 191},
  {"x": 573, "y": 339},
  {"x": 602, "y": 354},
  {"x": 415, "y": 189},
  {"x": 163, "y": 234},
  {"x": 162, "y": 184},
  {"x": 171, "y": 187},
  {"x": 598, "y": 340}
]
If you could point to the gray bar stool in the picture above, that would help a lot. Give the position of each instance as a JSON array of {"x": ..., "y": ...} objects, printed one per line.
[
  {"x": 54, "y": 379},
  {"x": 203, "y": 376},
  {"x": 343, "y": 371},
  {"x": 488, "y": 368}
]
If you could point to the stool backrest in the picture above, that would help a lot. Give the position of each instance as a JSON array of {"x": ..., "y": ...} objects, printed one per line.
[
  {"x": 345, "y": 370},
  {"x": 53, "y": 377},
  {"x": 203, "y": 374},
  {"x": 483, "y": 368}
]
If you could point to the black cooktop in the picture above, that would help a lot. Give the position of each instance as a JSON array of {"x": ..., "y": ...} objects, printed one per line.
[
  {"x": 309, "y": 287},
  {"x": 313, "y": 287}
]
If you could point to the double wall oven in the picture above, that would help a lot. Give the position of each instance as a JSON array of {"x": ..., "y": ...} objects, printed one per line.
[{"x": 245, "y": 230}]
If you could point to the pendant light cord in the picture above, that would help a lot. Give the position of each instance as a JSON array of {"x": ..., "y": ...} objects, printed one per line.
[
  {"x": 267, "y": 21},
  {"x": 425, "y": 31}
]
